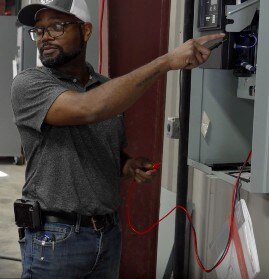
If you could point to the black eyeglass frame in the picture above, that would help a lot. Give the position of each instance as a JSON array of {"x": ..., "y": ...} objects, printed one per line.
[{"x": 45, "y": 29}]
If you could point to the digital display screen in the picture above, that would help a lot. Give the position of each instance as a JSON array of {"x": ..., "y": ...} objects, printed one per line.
[{"x": 210, "y": 17}]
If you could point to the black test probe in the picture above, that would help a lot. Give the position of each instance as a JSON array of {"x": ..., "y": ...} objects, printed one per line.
[{"x": 216, "y": 45}]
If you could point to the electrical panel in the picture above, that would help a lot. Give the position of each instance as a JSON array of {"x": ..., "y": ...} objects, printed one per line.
[
  {"x": 245, "y": 49},
  {"x": 230, "y": 93},
  {"x": 212, "y": 19},
  {"x": 212, "y": 14},
  {"x": 238, "y": 51},
  {"x": 239, "y": 48}
]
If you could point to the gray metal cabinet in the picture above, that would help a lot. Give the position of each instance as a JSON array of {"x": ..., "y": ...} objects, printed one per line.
[
  {"x": 236, "y": 125},
  {"x": 10, "y": 144}
]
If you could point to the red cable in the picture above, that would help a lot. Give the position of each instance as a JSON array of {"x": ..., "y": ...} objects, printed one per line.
[
  {"x": 101, "y": 37},
  {"x": 199, "y": 262}
]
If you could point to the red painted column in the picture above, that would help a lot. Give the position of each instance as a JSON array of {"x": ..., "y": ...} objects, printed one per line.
[
  {"x": 138, "y": 32},
  {"x": 2, "y": 7}
]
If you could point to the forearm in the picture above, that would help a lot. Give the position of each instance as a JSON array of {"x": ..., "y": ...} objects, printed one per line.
[{"x": 119, "y": 94}]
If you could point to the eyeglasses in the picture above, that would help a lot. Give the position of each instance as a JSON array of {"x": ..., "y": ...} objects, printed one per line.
[{"x": 54, "y": 30}]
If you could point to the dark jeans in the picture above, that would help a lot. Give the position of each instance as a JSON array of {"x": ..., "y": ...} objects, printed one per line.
[{"x": 66, "y": 253}]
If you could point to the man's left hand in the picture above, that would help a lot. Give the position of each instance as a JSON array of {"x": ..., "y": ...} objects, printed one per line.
[{"x": 140, "y": 169}]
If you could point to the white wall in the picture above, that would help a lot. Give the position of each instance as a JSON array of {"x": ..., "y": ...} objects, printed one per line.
[
  {"x": 212, "y": 198},
  {"x": 258, "y": 206},
  {"x": 170, "y": 147}
]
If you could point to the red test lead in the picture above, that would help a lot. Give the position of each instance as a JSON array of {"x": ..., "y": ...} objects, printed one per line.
[
  {"x": 155, "y": 166},
  {"x": 188, "y": 215}
]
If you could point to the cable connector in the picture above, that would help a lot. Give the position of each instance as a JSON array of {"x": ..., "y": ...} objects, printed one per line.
[
  {"x": 248, "y": 67},
  {"x": 156, "y": 166}
]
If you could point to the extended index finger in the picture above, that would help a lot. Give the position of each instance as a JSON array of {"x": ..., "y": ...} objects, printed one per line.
[{"x": 207, "y": 38}]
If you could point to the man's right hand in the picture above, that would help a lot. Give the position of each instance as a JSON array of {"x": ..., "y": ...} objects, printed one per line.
[{"x": 192, "y": 53}]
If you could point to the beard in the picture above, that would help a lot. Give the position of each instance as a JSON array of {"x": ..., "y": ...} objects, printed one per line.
[{"x": 62, "y": 58}]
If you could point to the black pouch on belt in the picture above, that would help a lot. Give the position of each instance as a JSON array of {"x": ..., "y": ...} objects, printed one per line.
[{"x": 27, "y": 214}]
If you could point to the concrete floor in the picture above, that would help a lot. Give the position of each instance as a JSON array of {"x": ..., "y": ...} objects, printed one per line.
[{"x": 10, "y": 190}]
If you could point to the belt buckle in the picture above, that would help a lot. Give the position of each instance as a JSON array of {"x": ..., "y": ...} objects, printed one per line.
[{"x": 94, "y": 225}]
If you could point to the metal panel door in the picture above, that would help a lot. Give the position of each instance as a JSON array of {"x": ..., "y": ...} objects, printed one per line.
[{"x": 10, "y": 144}]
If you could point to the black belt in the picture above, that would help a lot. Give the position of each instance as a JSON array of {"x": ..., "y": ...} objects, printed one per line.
[{"x": 97, "y": 222}]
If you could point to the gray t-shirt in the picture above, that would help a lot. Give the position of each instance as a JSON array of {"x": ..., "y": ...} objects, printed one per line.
[{"x": 73, "y": 169}]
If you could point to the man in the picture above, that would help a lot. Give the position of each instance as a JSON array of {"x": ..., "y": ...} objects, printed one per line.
[{"x": 71, "y": 127}]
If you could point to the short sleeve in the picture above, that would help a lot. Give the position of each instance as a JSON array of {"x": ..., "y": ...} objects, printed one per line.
[{"x": 32, "y": 94}]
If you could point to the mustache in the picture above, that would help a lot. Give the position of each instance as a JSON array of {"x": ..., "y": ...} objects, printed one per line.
[{"x": 41, "y": 50}]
